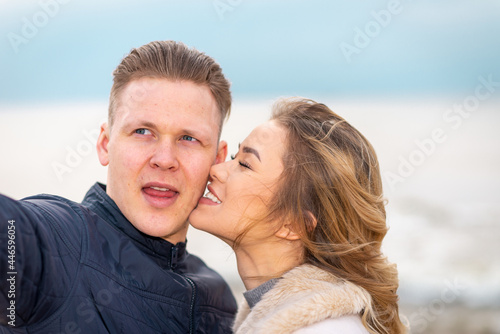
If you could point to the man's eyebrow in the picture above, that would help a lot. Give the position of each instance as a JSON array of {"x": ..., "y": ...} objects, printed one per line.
[
  {"x": 145, "y": 124},
  {"x": 253, "y": 151}
]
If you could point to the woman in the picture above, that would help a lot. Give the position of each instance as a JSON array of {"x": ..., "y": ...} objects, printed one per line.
[{"x": 301, "y": 205}]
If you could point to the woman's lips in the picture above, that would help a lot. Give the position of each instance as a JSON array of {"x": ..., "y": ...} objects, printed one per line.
[{"x": 210, "y": 197}]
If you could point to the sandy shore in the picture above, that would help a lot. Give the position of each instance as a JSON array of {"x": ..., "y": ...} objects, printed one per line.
[{"x": 443, "y": 210}]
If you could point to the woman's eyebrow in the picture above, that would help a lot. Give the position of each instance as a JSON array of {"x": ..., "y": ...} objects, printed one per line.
[{"x": 250, "y": 150}]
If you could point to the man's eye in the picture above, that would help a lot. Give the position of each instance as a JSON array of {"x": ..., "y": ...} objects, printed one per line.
[
  {"x": 142, "y": 131},
  {"x": 188, "y": 138}
]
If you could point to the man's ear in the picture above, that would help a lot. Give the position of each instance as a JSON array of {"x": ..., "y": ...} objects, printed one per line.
[
  {"x": 102, "y": 145},
  {"x": 221, "y": 152}
]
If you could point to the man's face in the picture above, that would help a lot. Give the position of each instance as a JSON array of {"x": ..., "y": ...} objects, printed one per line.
[{"x": 159, "y": 151}]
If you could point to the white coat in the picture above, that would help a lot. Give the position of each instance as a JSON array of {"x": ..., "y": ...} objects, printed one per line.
[{"x": 306, "y": 300}]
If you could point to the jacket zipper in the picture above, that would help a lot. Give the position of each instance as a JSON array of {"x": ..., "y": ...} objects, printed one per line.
[
  {"x": 173, "y": 265},
  {"x": 191, "y": 308}
]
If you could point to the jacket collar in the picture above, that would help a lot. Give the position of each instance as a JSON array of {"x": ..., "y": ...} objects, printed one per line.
[
  {"x": 303, "y": 296},
  {"x": 167, "y": 254}
]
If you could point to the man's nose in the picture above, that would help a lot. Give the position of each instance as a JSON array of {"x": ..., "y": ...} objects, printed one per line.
[{"x": 165, "y": 156}]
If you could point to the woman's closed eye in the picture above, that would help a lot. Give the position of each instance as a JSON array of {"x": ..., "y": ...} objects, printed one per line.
[{"x": 242, "y": 163}]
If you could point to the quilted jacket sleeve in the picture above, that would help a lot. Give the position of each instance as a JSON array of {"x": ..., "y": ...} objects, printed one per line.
[{"x": 35, "y": 274}]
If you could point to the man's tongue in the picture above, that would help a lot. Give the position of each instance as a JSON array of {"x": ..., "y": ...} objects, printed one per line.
[{"x": 159, "y": 193}]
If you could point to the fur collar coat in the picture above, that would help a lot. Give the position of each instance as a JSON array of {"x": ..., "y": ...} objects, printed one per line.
[{"x": 305, "y": 296}]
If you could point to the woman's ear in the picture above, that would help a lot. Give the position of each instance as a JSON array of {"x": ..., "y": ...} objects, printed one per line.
[{"x": 287, "y": 232}]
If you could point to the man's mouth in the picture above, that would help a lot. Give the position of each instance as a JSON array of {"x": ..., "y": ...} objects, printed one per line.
[{"x": 160, "y": 190}]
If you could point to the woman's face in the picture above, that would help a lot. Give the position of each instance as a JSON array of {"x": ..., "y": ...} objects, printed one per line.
[{"x": 240, "y": 189}]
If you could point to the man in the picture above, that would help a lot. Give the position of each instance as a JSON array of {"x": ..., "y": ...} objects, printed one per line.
[{"x": 117, "y": 262}]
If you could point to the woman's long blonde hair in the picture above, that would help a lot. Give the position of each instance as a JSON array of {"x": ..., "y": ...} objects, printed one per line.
[{"x": 331, "y": 189}]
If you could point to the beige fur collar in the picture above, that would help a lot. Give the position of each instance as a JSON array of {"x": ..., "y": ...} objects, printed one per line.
[{"x": 305, "y": 295}]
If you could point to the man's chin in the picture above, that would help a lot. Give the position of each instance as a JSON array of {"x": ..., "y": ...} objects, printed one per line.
[{"x": 172, "y": 235}]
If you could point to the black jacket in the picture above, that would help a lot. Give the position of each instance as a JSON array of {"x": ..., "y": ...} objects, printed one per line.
[{"x": 84, "y": 268}]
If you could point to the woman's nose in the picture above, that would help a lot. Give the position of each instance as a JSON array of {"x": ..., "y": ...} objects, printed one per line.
[{"x": 220, "y": 172}]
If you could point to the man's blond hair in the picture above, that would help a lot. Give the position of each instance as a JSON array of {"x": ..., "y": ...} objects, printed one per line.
[{"x": 173, "y": 61}]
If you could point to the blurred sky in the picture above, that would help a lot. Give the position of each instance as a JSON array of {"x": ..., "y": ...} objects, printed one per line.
[{"x": 65, "y": 50}]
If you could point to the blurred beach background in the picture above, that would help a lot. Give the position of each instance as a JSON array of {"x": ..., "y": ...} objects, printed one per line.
[{"x": 420, "y": 79}]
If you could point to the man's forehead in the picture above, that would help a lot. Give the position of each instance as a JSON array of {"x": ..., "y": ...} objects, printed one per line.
[
  {"x": 162, "y": 102},
  {"x": 151, "y": 91},
  {"x": 141, "y": 89}
]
